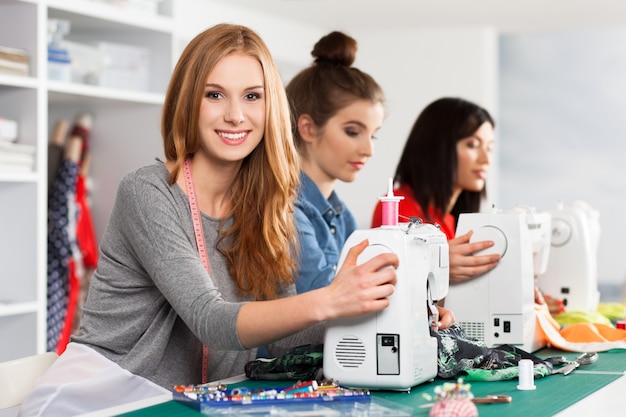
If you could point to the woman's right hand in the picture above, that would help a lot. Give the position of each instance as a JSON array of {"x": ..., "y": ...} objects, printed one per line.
[
  {"x": 360, "y": 289},
  {"x": 464, "y": 265},
  {"x": 356, "y": 290}
]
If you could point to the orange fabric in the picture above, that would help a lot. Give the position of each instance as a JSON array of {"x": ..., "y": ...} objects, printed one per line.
[
  {"x": 592, "y": 332},
  {"x": 546, "y": 313},
  {"x": 580, "y": 337}
]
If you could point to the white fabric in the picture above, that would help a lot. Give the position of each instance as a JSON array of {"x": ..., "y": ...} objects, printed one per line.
[
  {"x": 81, "y": 381},
  {"x": 18, "y": 377}
]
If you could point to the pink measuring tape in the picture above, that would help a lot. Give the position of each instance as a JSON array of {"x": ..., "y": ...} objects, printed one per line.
[{"x": 199, "y": 233}]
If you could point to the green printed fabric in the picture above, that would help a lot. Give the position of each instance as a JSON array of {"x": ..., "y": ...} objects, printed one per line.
[
  {"x": 299, "y": 363},
  {"x": 471, "y": 359}
]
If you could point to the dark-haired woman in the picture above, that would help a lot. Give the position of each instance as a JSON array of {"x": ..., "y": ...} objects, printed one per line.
[{"x": 442, "y": 172}]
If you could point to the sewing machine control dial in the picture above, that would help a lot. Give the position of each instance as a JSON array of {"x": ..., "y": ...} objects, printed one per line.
[
  {"x": 490, "y": 233},
  {"x": 561, "y": 232}
]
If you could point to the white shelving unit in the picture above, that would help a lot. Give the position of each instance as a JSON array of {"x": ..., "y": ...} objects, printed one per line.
[{"x": 125, "y": 135}]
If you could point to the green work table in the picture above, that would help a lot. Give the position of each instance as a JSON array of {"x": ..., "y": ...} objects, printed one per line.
[{"x": 552, "y": 395}]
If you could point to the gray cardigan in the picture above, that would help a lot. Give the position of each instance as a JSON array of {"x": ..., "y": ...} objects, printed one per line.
[{"x": 151, "y": 305}]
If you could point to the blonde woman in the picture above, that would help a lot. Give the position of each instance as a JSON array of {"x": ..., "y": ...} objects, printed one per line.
[{"x": 173, "y": 302}]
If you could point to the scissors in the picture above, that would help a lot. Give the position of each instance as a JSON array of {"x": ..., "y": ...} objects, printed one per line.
[{"x": 584, "y": 359}]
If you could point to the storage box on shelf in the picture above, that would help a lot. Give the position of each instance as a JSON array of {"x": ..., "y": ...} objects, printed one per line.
[{"x": 125, "y": 135}]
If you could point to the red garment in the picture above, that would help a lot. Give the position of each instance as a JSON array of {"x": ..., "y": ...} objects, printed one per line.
[
  {"x": 74, "y": 292},
  {"x": 85, "y": 232},
  {"x": 87, "y": 257},
  {"x": 408, "y": 207}
]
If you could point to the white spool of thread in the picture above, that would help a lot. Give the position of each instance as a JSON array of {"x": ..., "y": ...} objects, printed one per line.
[{"x": 526, "y": 375}]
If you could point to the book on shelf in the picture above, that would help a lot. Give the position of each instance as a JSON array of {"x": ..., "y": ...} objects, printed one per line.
[
  {"x": 13, "y": 61},
  {"x": 17, "y": 157}
]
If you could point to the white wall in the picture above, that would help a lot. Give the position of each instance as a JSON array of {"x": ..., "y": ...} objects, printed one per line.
[
  {"x": 413, "y": 68},
  {"x": 290, "y": 42}
]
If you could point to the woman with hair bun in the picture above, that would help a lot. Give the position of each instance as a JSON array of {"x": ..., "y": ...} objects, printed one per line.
[{"x": 337, "y": 110}]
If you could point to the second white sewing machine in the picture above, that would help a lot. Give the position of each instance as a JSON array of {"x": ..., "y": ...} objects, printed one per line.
[
  {"x": 393, "y": 349},
  {"x": 498, "y": 307}
]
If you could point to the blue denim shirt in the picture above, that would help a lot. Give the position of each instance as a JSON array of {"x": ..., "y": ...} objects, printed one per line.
[{"x": 323, "y": 227}]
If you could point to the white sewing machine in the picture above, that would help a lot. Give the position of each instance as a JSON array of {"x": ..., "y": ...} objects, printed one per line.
[
  {"x": 572, "y": 273},
  {"x": 393, "y": 349},
  {"x": 498, "y": 307}
]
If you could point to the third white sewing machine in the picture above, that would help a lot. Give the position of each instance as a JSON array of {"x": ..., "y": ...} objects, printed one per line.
[
  {"x": 572, "y": 273},
  {"x": 498, "y": 307}
]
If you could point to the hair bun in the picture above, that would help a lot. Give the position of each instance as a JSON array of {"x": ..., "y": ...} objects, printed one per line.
[{"x": 336, "y": 48}]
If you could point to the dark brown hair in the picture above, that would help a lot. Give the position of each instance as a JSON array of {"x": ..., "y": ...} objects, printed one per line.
[{"x": 428, "y": 163}]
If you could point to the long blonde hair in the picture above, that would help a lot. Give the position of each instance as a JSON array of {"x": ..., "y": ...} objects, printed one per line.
[{"x": 262, "y": 254}]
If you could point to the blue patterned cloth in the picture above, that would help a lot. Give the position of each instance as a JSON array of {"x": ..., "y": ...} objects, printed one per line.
[{"x": 59, "y": 249}]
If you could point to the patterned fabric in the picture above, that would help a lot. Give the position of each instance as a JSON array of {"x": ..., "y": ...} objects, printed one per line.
[
  {"x": 302, "y": 363},
  {"x": 462, "y": 356},
  {"x": 59, "y": 250}
]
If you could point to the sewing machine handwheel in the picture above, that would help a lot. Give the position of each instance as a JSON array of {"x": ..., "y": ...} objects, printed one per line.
[
  {"x": 490, "y": 233},
  {"x": 372, "y": 251},
  {"x": 561, "y": 232}
]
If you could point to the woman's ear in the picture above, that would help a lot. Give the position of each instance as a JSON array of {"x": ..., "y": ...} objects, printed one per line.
[{"x": 307, "y": 128}]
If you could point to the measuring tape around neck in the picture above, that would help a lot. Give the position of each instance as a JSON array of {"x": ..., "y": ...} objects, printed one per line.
[
  {"x": 200, "y": 243},
  {"x": 195, "y": 215}
]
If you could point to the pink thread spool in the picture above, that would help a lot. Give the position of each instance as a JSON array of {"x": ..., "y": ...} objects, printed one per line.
[{"x": 390, "y": 207}]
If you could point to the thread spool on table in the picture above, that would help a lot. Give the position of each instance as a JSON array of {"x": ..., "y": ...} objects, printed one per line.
[{"x": 526, "y": 375}]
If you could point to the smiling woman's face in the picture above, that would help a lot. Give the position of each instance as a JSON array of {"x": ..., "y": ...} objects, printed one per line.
[{"x": 232, "y": 112}]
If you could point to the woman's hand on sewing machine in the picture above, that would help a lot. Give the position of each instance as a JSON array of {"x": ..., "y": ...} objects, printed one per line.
[
  {"x": 360, "y": 289},
  {"x": 555, "y": 306},
  {"x": 464, "y": 265},
  {"x": 446, "y": 317}
]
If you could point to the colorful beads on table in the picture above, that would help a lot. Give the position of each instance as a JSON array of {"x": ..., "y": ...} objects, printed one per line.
[{"x": 212, "y": 393}]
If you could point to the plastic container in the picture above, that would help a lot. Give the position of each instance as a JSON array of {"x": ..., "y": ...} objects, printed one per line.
[
  {"x": 87, "y": 63},
  {"x": 59, "y": 65},
  {"x": 124, "y": 66}
]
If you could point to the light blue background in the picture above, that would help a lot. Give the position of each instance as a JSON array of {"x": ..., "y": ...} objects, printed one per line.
[{"x": 562, "y": 129}]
